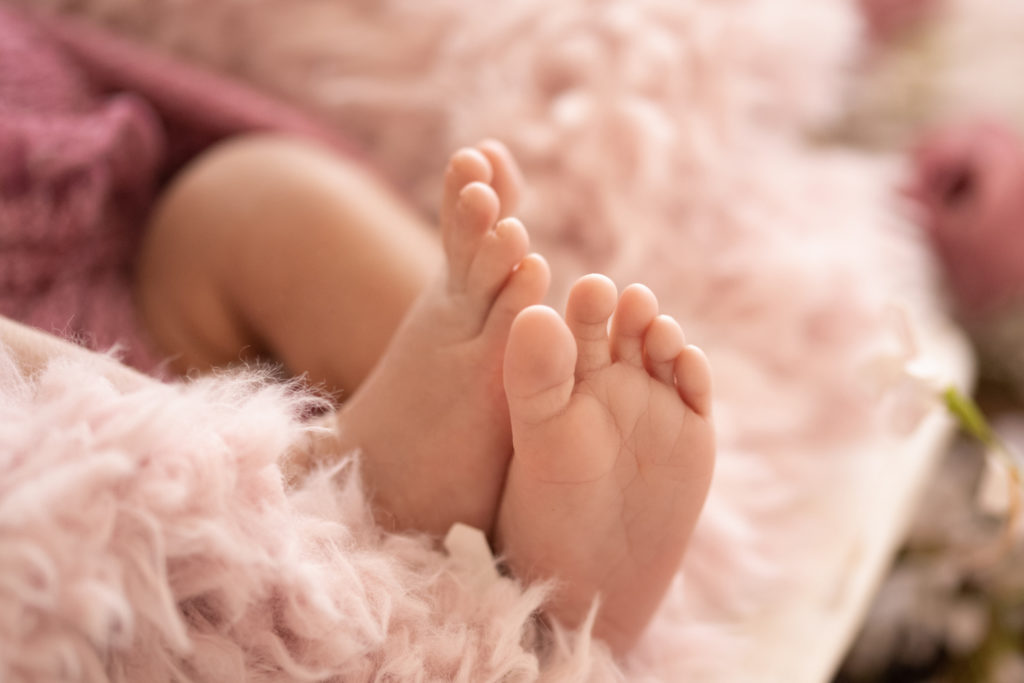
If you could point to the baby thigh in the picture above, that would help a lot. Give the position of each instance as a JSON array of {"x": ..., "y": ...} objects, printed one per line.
[{"x": 271, "y": 247}]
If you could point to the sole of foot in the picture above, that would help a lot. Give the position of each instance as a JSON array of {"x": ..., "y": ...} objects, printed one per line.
[{"x": 613, "y": 454}]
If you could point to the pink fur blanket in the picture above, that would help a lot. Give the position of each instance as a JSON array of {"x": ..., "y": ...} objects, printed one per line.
[
  {"x": 147, "y": 536},
  {"x": 669, "y": 142}
]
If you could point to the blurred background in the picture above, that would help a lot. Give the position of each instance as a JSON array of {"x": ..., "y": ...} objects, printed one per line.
[
  {"x": 949, "y": 87},
  {"x": 698, "y": 132}
]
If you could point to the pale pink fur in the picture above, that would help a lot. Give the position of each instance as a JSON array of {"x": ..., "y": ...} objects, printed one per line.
[
  {"x": 147, "y": 536},
  {"x": 662, "y": 141}
]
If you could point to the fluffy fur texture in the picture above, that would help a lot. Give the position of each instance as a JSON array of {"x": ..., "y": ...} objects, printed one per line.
[
  {"x": 662, "y": 141},
  {"x": 147, "y": 536}
]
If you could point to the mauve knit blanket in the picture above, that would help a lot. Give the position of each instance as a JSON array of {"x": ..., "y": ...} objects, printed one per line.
[{"x": 90, "y": 127}]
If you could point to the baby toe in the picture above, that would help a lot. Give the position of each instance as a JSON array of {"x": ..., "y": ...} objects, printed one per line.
[
  {"x": 475, "y": 213},
  {"x": 500, "y": 251},
  {"x": 591, "y": 303},
  {"x": 663, "y": 342},
  {"x": 525, "y": 286},
  {"x": 693, "y": 379},
  {"x": 538, "y": 369},
  {"x": 635, "y": 312},
  {"x": 465, "y": 166},
  {"x": 507, "y": 179}
]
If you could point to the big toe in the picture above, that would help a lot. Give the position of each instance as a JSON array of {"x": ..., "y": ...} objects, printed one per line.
[
  {"x": 539, "y": 361},
  {"x": 525, "y": 286}
]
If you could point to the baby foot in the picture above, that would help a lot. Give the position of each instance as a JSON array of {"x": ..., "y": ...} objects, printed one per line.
[
  {"x": 614, "y": 449},
  {"x": 431, "y": 421}
]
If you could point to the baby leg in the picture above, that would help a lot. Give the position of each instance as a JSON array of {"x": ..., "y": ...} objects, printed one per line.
[
  {"x": 267, "y": 246},
  {"x": 273, "y": 248}
]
